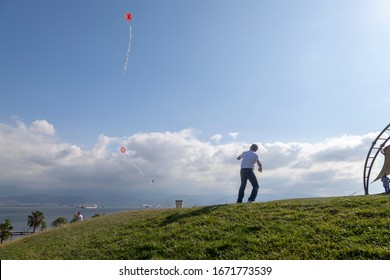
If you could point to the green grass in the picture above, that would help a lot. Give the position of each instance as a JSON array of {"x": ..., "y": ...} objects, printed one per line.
[{"x": 322, "y": 228}]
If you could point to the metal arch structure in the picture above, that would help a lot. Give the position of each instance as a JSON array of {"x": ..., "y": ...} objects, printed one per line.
[{"x": 378, "y": 144}]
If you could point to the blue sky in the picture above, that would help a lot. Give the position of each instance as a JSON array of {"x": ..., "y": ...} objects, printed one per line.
[{"x": 272, "y": 72}]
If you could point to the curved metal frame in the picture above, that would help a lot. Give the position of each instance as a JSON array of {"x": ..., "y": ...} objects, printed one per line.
[{"x": 378, "y": 144}]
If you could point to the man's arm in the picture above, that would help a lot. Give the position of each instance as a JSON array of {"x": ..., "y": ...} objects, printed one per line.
[{"x": 260, "y": 166}]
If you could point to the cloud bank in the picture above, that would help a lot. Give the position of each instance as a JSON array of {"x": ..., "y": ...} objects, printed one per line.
[{"x": 179, "y": 163}]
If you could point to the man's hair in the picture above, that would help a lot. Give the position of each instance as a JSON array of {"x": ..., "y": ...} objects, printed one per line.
[{"x": 254, "y": 147}]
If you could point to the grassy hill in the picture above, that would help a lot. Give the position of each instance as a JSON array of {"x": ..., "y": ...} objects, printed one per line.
[{"x": 322, "y": 228}]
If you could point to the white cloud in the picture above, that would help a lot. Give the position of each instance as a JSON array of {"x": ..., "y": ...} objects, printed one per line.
[
  {"x": 234, "y": 135},
  {"x": 179, "y": 163},
  {"x": 43, "y": 127},
  {"x": 217, "y": 138}
]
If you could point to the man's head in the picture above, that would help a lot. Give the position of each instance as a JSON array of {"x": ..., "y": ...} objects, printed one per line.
[{"x": 254, "y": 147}]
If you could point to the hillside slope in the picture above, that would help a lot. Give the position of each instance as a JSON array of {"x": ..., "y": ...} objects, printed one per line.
[{"x": 323, "y": 228}]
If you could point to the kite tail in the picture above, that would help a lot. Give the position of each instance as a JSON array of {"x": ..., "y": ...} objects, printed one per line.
[
  {"x": 140, "y": 171},
  {"x": 128, "y": 50}
]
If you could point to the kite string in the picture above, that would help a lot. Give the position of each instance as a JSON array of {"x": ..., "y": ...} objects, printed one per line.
[
  {"x": 355, "y": 192},
  {"x": 128, "y": 49}
]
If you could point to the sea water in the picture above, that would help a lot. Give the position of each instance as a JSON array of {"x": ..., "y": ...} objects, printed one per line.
[{"x": 18, "y": 216}]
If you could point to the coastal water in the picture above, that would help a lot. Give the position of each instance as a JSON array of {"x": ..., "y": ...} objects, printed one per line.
[{"x": 18, "y": 215}]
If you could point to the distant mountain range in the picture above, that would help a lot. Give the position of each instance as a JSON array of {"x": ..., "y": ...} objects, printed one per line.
[
  {"x": 16, "y": 196},
  {"x": 13, "y": 196},
  {"x": 40, "y": 199}
]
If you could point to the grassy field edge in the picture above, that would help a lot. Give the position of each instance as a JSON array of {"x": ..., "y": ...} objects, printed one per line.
[{"x": 356, "y": 227}]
